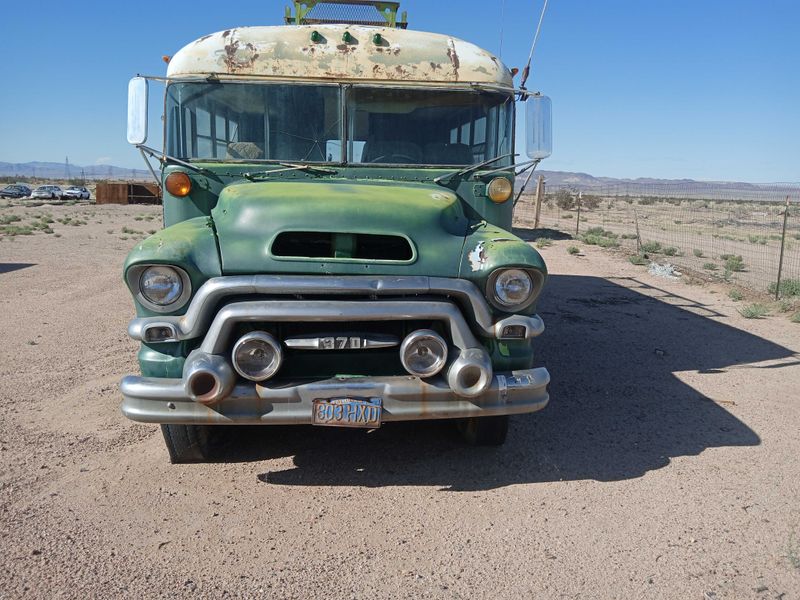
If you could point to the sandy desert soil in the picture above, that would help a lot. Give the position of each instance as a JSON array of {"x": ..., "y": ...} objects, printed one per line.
[{"x": 666, "y": 465}]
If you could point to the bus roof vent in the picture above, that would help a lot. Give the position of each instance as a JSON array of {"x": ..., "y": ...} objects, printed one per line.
[{"x": 354, "y": 12}]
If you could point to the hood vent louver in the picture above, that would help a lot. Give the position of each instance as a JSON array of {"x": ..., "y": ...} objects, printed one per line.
[{"x": 343, "y": 246}]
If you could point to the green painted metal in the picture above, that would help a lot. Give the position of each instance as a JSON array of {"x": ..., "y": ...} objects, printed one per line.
[
  {"x": 249, "y": 216},
  {"x": 189, "y": 244},
  {"x": 207, "y": 187}
]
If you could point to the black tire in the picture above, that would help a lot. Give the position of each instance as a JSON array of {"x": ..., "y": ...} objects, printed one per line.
[
  {"x": 484, "y": 431},
  {"x": 187, "y": 443}
]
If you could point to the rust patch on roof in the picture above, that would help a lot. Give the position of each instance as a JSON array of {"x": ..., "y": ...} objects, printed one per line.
[
  {"x": 453, "y": 56},
  {"x": 236, "y": 60}
]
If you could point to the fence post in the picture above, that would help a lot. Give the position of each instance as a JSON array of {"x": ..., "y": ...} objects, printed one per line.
[
  {"x": 783, "y": 245},
  {"x": 539, "y": 197},
  {"x": 578, "y": 224},
  {"x": 638, "y": 236}
]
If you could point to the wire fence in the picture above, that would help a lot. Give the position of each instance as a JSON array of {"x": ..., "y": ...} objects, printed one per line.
[{"x": 744, "y": 235}]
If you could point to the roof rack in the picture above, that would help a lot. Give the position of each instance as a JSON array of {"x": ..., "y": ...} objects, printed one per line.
[{"x": 353, "y": 12}]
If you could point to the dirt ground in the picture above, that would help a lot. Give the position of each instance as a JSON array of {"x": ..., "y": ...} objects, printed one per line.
[{"x": 665, "y": 466}]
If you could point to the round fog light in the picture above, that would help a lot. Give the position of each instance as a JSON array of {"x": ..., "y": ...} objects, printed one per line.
[
  {"x": 257, "y": 356},
  {"x": 423, "y": 353}
]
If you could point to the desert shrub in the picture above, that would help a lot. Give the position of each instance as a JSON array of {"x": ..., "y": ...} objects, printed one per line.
[
  {"x": 709, "y": 266},
  {"x": 671, "y": 251},
  {"x": 733, "y": 263},
  {"x": 568, "y": 216},
  {"x": 789, "y": 287},
  {"x": 796, "y": 236},
  {"x": 754, "y": 311},
  {"x": 6, "y": 219},
  {"x": 543, "y": 242},
  {"x": 795, "y": 318},
  {"x": 638, "y": 259},
  {"x": 573, "y": 250},
  {"x": 651, "y": 247},
  {"x": 697, "y": 252},
  {"x": 628, "y": 236},
  {"x": 647, "y": 201},
  {"x": 13, "y": 230},
  {"x": 597, "y": 236},
  {"x": 590, "y": 202},
  {"x": 735, "y": 295},
  {"x": 564, "y": 200}
]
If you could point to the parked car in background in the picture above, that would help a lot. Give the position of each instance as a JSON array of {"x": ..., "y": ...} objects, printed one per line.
[
  {"x": 47, "y": 191},
  {"x": 15, "y": 191},
  {"x": 77, "y": 192}
]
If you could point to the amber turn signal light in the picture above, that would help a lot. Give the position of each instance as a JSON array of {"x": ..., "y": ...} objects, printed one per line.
[
  {"x": 499, "y": 189},
  {"x": 178, "y": 184}
]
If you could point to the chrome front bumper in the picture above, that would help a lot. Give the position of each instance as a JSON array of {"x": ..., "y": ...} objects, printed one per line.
[
  {"x": 405, "y": 398},
  {"x": 350, "y": 299}
]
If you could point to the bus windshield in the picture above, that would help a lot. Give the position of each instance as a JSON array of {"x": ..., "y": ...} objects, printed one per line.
[{"x": 301, "y": 122}]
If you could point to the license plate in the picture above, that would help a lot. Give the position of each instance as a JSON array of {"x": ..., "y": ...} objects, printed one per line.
[{"x": 347, "y": 412}]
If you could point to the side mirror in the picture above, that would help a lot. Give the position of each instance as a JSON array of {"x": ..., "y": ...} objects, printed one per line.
[
  {"x": 539, "y": 122},
  {"x": 137, "y": 111}
]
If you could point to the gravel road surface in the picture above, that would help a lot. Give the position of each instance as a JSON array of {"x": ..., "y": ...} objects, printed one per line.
[{"x": 666, "y": 465}]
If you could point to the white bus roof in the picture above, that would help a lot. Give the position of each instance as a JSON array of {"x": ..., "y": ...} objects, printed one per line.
[{"x": 289, "y": 52}]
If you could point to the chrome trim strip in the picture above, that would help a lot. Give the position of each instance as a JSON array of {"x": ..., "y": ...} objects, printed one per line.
[
  {"x": 217, "y": 340},
  {"x": 405, "y": 398},
  {"x": 343, "y": 341},
  {"x": 201, "y": 309}
]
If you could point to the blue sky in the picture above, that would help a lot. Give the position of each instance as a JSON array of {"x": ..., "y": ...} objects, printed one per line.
[{"x": 640, "y": 88}]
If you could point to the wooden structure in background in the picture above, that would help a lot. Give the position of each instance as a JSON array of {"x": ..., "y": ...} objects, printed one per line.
[{"x": 127, "y": 192}]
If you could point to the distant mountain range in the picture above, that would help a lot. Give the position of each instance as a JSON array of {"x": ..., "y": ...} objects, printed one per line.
[
  {"x": 648, "y": 186},
  {"x": 52, "y": 170}
]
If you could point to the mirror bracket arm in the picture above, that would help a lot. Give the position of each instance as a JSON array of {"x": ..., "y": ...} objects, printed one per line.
[{"x": 147, "y": 162}]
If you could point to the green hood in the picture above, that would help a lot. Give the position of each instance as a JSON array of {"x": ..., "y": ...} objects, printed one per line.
[{"x": 249, "y": 217}]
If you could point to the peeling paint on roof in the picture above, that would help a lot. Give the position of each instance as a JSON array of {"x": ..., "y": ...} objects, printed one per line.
[{"x": 289, "y": 52}]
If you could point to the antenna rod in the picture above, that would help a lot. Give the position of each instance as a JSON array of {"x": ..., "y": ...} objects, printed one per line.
[{"x": 526, "y": 71}]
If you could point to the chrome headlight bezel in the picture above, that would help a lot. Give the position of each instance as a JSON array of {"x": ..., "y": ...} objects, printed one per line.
[
  {"x": 134, "y": 278},
  {"x": 536, "y": 278}
]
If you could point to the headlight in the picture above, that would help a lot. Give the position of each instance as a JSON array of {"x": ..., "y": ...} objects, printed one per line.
[
  {"x": 161, "y": 288},
  {"x": 161, "y": 285},
  {"x": 499, "y": 190},
  {"x": 511, "y": 288}
]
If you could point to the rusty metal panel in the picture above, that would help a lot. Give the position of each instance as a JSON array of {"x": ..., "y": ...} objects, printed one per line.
[
  {"x": 340, "y": 52},
  {"x": 127, "y": 192}
]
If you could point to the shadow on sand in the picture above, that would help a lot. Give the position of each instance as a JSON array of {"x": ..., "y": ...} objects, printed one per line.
[
  {"x": 616, "y": 412},
  {"x": 531, "y": 235},
  {"x": 8, "y": 267}
]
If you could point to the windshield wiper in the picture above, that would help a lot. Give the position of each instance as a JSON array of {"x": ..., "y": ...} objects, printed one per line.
[
  {"x": 313, "y": 169},
  {"x": 163, "y": 158},
  {"x": 472, "y": 168}
]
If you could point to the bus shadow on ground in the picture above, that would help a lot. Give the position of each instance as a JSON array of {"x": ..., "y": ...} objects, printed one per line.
[
  {"x": 617, "y": 410},
  {"x": 9, "y": 267}
]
